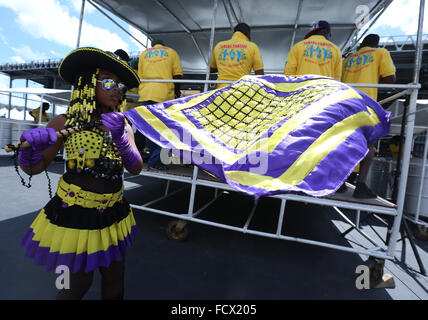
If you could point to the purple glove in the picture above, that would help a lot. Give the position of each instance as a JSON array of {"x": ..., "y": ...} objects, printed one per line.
[
  {"x": 39, "y": 140},
  {"x": 115, "y": 122}
]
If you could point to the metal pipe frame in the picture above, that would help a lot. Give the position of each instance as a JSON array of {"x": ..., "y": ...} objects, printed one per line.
[
  {"x": 397, "y": 212},
  {"x": 207, "y": 76},
  {"x": 82, "y": 10},
  {"x": 117, "y": 24},
  {"x": 254, "y": 28},
  {"x": 375, "y": 252},
  {"x": 422, "y": 175},
  {"x": 378, "y": 251},
  {"x": 228, "y": 15},
  {"x": 377, "y": 11},
  {"x": 296, "y": 23},
  {"x": 26, "y": 100},
  {"x": 185, "y": 28},
  {"x": 409, "y": 134},
  {"x": 194, "y": 182}
]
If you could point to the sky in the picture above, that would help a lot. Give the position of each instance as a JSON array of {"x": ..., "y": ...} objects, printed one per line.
[{"x": 47, "y": 29}]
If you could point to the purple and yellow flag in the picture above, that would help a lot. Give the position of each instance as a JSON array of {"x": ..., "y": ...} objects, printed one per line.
[{"x": 270, "y": 134}]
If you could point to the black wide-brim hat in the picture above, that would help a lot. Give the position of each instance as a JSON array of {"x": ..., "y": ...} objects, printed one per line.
[{"x": 87, "y": 58}]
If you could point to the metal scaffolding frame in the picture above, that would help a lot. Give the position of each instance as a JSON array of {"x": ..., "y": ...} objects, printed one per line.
[
  {"x": 383, "y": 207},
  {"x": 379, "y": 206}
]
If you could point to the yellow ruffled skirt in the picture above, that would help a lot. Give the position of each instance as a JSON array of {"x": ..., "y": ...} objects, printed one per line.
[{"x": 81, "y": 230}]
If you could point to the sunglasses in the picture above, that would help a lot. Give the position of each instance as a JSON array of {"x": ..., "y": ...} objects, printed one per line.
[{"x": 109, "y": 84}]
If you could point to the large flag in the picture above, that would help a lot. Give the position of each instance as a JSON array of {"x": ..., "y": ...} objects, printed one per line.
[{"x": 270, "y": 134}]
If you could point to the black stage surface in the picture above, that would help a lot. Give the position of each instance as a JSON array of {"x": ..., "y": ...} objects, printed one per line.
[{"x": 212, "y": 263}]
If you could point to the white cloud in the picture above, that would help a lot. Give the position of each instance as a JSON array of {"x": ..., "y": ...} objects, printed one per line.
[
  {"x": 77, "y": 6},
  {"x": 17, "y": 59},
  {"x": 140, "y": 36},
  {"x": 402, "y": 14},
  {"x": 4, "y": 84},
  {"x": 50, "y": 20},
  {"x": 26, "y": 53},
  {"x": 4, "y": 81},
  {"x": 3, "y": 39}
]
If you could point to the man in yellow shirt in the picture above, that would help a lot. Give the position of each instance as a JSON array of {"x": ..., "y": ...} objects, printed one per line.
[
  {"x": 158, "y": 62},
  {"x": 35, "y": 113},
  {"x": 316, "y": 54},
  {"x": 369, "y": 64},
  {"x": 235, "y": 58}
]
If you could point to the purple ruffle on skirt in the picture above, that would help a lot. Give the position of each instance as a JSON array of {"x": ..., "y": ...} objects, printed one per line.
[{"x": 75, "y": 262}]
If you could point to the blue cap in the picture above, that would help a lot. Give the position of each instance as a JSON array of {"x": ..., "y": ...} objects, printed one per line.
[{"x": 318, "y": 26}]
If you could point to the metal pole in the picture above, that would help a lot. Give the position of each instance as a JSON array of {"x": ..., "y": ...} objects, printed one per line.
[
  {"x": 112, "y": 20},
  {"x": 211, "y": 45},
  {"x": 409, "y": 134},
  {"x": 296, "y": 23},
  {"x": 192, "y": 191},
  {"x": 54, "y": 105},
  {"x": 26, "y": 100},
  {"x": 228, "y": 15},
  {"x": 421, "y": 185},
  {"x": 82, "y": 10},
  {"x": 41, "y": 109},
  {"x": 185, "y": 28},
  {"x": 10, "y": 98}
]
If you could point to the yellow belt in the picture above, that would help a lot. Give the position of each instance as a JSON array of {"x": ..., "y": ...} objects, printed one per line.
[{"x": 72, "y": 194}]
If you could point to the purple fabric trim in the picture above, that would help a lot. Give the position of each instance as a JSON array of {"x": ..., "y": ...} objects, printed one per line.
[{"x": 75, "y": 262}]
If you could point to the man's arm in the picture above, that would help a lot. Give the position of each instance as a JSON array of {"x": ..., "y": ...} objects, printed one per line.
[
  {"x": 31, "y": 114},
  {"x": 291, "y": 62},
  {"x": 177, "y": 86},
  {"x": 388, "y": 80}
]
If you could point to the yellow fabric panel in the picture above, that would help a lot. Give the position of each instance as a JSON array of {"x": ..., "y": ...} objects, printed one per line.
[
  {"x": 307, "y": 161},
  {"x": 67, "y": 240}
]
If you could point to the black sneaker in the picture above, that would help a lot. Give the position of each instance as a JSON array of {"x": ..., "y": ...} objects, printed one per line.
[
  {"x": 363, "y": 192},
  {"x": 343, "y": 188}
]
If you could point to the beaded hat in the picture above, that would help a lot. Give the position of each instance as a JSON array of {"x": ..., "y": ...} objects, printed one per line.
[{"x": 87, "y": 58}]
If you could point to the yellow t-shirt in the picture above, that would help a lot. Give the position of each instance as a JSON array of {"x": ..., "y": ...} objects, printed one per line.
[
  {"x": 314, "y": 55},
  {"x": 394, "y": 150},
  {"x": 36, "y": 112},
  {"x": 159, "y": 62},
  {"x": 235, "y": 58},
  {"x": 365, "y": 66}
]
